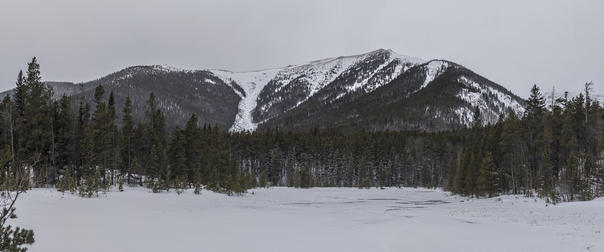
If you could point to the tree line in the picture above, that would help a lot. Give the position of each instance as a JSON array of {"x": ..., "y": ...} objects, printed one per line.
[
  {"x": 551, "y": 149},
  {"x": 555, "y": 150}
]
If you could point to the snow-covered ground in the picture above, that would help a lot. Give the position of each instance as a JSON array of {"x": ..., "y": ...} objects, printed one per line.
[{"x": 319, "y": 219}]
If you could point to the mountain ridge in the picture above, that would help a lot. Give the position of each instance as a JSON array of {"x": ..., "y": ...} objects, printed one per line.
[{"x": 320, "y": 93}]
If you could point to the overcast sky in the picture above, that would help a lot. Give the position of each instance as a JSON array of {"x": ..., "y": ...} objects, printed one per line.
[{"x": 514, "y": 43}]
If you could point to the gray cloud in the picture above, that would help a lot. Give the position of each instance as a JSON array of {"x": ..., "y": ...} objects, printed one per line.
[{"x": 514, "y": 43}]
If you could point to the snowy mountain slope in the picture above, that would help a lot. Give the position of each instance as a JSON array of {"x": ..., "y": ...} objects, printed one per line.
[
  {"x": 436, "y": 95},
  {"x": 252, "y": 83},
  {"x": 477, "y": 94},
  {"x": 376, "y": 90},
  {"x": 295, "y": 85},
  {"x": 179, "y": 93},
  {"x": 462, "y": 91},
  {"x": 433, "y": 69},
  {"x": 269, "y": 93}
]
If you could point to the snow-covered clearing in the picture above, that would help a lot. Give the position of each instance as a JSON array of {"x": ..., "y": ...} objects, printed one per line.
[{"x": 319, "y": 219}]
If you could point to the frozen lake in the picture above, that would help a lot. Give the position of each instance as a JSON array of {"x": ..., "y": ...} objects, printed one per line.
[{"x": 318, "y": 219}]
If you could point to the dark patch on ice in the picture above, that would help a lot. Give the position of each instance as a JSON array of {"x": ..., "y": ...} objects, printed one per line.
[
  {"x": 406, "y": 204},
  {"x": 379, "y": 199},
  {"x": 305, "y": 203},
  {"x": 350, "y": 202},
  {"x": 429, "y": 202},
  {"x": 322, "y": 203},
  {"x": 423, "y": 203},
  {"x": 413, "y": 207},
  {"x": 392, "y": 209}
]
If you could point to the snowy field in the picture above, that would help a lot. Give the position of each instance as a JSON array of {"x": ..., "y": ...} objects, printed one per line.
[{"x": 319, "y": 219}]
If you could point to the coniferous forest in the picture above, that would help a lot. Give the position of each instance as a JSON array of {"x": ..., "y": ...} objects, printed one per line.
[{"x": 554, "y": 150}]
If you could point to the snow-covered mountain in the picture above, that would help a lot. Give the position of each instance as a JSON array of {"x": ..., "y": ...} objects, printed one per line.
[
  {"x": 271, "y": 92},
  {"x": 375, "y": 90},
  {"x": 424, "y": 95},
  {"x": 274, "y": 95}
]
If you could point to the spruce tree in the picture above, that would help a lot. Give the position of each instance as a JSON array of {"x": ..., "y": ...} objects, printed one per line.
[
  {"x": 92, "y": 184},
  {"x": 99, "y": 136},
  {"x": 192, "y": 148},
  {"x": 197, "y": 182},
  {"x": 569, "y": 179},
  {"x": 488, "y": 180},
  {"x": 126, "y": 140},
  {"x": 67, "y": 181},
  {"x": 112, "y": 138},
  {"x": 34, "y": 126},
  {"x": 21, "y": 92},
  {"x": 153, "y": 167}
]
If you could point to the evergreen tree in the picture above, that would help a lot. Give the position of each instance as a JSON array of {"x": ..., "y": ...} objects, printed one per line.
[
  {"x": 488, "y": 180},
  {"x": 126, "y": 140},
  {"x": 92, "y": 184},
  {"x": 193, "y": 149},
  {"x": 112, "y": 138},
  {"x": 197, "y": 182},
  {"x": 12, "y": 238},
  {"x": 569, "y": 179},
  {"x": 98, "y": 136},
  {"x": 153, "y": 167},
  {"x": 34, "y": 126},
  {"x": 67, "y": 181}
]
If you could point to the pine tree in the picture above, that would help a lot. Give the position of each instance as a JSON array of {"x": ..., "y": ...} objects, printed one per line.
[
  {"x": 67, "y": 182},
  {"x": 264, "y": 179},
  {"x": 136, "y": 167},
  {"x": 126, "y": 140},
  {"x": 569, "y": 179},
  {"x": 21, "y": 92},
  {"x": 306, "y": 179},
  {"x": 112, "y": 138},
  {"x": 275, "y": 166},
  {"x": 153, "y": 167},
  {"x": 463, "y": 169},
  {"x": 177, "y": 154},
  {"x": 192, "y": 148},
  {"x": 155, "y": 137},
  {"x": 63, "y": 127},
  {"x": 197, "y": 181},
  {"x": 535, "y": 104},
  {"x": 488, "y": 180},
  {"x": 34, "y": 126},
  {"x": 584, "y": 178},
  {"x": 92, "y": 184},
  {"x": 99, "y": 136},
  {"x": 513, "y": 148}
]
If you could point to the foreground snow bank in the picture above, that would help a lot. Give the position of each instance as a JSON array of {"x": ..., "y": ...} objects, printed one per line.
[{"x": 319, "y": 219}]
